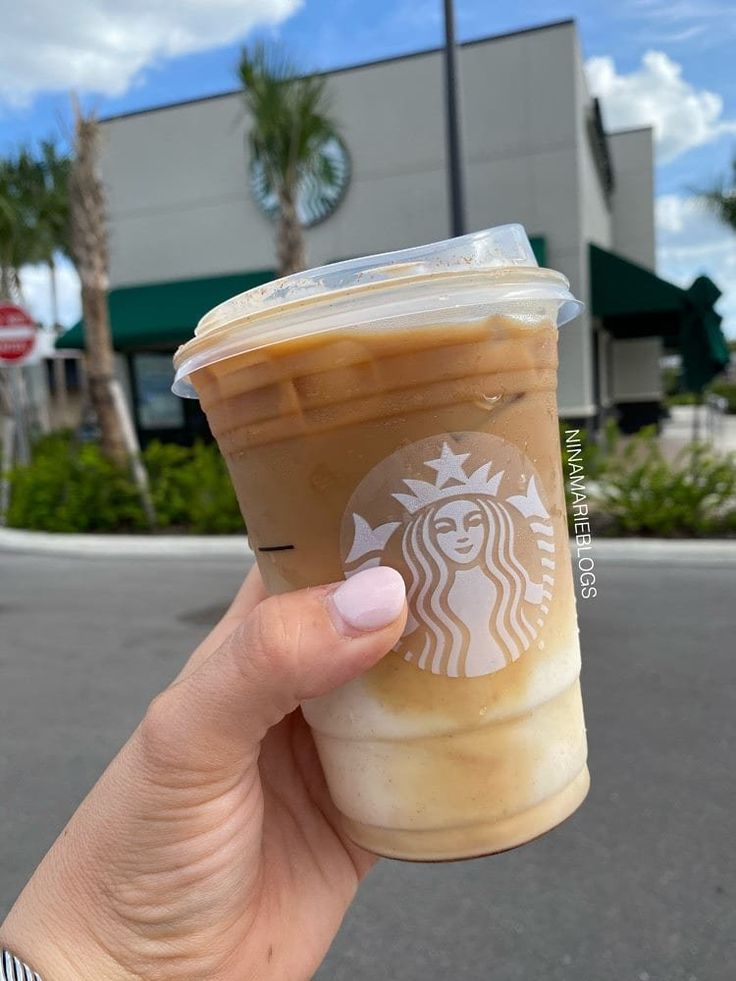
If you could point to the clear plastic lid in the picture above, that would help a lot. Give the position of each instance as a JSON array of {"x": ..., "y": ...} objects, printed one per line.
[{"x": 487, "y": 268}]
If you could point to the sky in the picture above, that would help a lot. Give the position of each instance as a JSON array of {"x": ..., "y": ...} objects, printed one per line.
[{"x": 666, "y": 63}]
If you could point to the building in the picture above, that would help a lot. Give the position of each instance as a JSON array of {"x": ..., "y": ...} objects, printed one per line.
[{"x": 187, "y": 233}]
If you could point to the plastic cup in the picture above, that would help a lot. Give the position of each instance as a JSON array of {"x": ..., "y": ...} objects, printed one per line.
[{"x": 401, "y": 410}]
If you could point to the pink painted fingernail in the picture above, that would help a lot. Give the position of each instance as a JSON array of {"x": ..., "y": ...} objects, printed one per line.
[{"x": 371, "y": 599}]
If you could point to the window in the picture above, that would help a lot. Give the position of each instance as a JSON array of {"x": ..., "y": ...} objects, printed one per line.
[{"x": 158, "y": 407}]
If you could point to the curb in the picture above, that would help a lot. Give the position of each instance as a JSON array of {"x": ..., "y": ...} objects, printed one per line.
[
  {"x": 720, "y": 552},
  {"x": 656, "y": 550},
  {"x": 124, "y": 546}
]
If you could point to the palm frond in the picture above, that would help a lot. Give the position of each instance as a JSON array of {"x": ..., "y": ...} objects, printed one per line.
[
  {"x": 34, "y": 210},
  {"x": 721, "y": 198},
  {"x": 291, "y": 124}
]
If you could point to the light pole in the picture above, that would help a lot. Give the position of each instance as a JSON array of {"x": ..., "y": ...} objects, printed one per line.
[{"x": 456, "y": 179}]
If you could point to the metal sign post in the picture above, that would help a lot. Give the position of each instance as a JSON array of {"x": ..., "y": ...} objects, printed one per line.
[
  {"x": 7, "y": 441},
  {"x": 18, "y": 334},
  {"x": 456, "y": 176}
]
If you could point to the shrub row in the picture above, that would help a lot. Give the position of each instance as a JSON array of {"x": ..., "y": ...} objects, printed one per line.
[
  {"x": 72, "y": 487},
  {"x": 725, "y": 389},
  {"x": 634, "y": 490}
]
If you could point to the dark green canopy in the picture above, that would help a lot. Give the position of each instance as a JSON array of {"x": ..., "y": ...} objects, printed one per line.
[
  {"x": 634, "y": 302},
  {"x": 705, "y": 351},
  {"x": 163, "y": 315},
  {"x": 630, "y": 300}
]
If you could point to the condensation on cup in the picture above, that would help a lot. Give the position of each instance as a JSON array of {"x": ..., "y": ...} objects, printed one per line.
[{"x": 401, "y": 410}]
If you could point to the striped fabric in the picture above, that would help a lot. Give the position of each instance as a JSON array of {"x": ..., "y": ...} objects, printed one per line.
[{"x": 11, "y": 969}]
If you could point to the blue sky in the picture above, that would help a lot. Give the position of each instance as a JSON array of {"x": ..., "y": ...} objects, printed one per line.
[{"x": 663, "y": 61}]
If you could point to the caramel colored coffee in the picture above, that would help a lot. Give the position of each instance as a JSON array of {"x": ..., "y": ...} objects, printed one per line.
[{"x": 431, "y": 447}]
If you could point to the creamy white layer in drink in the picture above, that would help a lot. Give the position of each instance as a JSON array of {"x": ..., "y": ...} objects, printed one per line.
[{"x": 401, "y": 410}]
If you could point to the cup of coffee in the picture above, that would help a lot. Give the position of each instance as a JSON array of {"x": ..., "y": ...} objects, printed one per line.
[{"x": 401, "y": 410}]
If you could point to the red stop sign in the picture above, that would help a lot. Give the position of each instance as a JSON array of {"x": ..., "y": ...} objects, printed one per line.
[{"x": 17, "y": 333}]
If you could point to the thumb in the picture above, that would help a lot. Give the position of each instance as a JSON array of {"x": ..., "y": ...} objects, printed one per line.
[{"x": 289, "y": 648}]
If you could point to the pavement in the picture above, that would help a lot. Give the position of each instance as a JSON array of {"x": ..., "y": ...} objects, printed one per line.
[
  {"x": 686, "y": 420},
  {"x": 638, "y": 886}
]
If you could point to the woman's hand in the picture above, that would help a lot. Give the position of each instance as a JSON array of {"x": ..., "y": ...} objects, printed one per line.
[{"x": 210, "y": 847}]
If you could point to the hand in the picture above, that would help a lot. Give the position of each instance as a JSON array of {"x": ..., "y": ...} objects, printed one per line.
[{"x": 210, "y": 847}]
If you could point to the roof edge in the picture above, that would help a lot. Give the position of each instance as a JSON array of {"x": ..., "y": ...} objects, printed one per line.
[
  {"x": 486, "y": 39},
  {"x": 631, "y": 129},
  {"x": 237, "y": 274}
]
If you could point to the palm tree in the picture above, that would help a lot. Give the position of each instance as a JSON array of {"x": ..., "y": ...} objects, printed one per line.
[
  {"x": 722, "y": 199},
  {"x": 51, "y": 194},
  {"x": 89, "y": 250},
  {"x": 18, "y": 228},
  {"x": 34, "y": 214},
  {"x": 52, "y": 210},
  {"x": 291, "y": 137},
  {"x": 9, "y": 259}
]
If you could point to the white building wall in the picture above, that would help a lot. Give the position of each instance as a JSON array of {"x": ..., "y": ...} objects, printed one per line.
[
  {"x": 519, "y": 135},
  {"x": 179, "y": 195},
  {"x": 180, "y": 204},
  {"x": 633, "y": 197},
  {"x": 578, "y": 345},
  {"x": 636, "y": 370},
  {"x": 179, "y": 199}
]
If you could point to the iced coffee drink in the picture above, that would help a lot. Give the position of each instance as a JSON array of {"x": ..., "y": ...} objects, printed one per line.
[{"x": 403, "y": 413}]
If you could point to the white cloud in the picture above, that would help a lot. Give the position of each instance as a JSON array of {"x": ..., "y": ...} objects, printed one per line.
[
  {"x": 37, "y": 293},
  {"x": 101, "y": 46},
  {"x": 679, "y": 11},
  {"x": 657, "y": 95},
  {"x": 680, "y": 37},
  {"x": 690, "y": 242},
  {"x": 708, "y": 23}
]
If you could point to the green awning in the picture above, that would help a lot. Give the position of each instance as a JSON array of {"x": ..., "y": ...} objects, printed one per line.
[
  {"x": 539, "y": 248},
  {"x": 163, "y": 315},
  {"x": 621, "y": 288},
  {"x": 633, "y": 302},
  {"x": 705, "y": 350},
  {"x": 160, "y": 316}
]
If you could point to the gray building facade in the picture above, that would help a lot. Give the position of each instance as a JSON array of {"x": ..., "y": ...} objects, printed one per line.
[{"x": 535, "y": 152}]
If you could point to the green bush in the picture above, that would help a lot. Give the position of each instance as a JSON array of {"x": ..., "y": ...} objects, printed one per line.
[
  {"x": 191, "y": 488},
  {"x": 683, "y": 398},
  {"x": 595, "y": 451},
  {"x": 724, "y": 388},
  {"x": 72, "y": 487},
  {"x": 634, "y": 490},
  {"x": 594, "y": 457},
  {"x": 642, "y": 493},
  {"x": 671, "y": 381},
  {"x": 728, "y": 391}
]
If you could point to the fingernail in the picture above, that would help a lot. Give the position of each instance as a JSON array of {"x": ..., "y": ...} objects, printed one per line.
[{"x": 371, "y": 599}]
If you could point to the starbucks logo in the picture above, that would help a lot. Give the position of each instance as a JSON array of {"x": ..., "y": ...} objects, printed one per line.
[
  {"x": 317, "y": 197},
  {"x": 462, "y": 517}
]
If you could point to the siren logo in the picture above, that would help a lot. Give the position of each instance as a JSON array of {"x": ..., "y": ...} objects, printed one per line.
[{"x": 461, "y": 516}]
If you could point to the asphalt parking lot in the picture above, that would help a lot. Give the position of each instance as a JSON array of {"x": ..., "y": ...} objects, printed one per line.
[{"x": 639, "y": 885}]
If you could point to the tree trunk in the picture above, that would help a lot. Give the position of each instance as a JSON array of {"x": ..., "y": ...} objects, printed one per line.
[
  {"x": 100, "y": 367},
  {"x": 10, "y": 285},
  {"x": 6, "y": 280},
  {"x": 90, "y": 253},
  {"x": 290, "y": 246},
  {"x": 58, "y": 363},
  {"x": 54, "y": 295}
]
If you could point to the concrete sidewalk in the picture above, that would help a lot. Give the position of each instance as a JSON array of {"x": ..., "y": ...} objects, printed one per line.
[
  {"x": 236, "y": 546},
  {"x": 124, "y": 546},
  {"x": 677, "y": 431}
]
